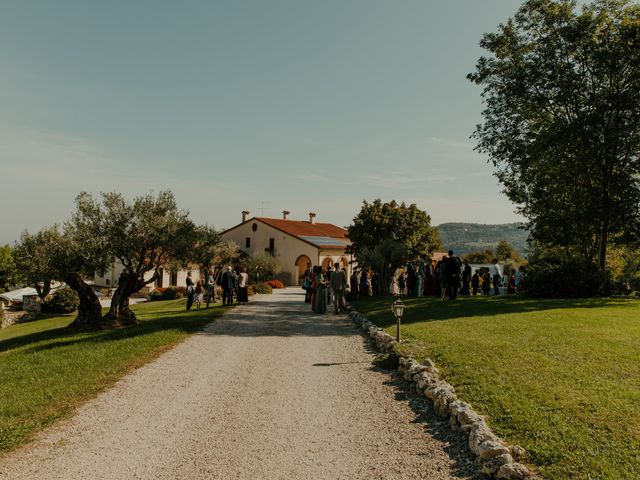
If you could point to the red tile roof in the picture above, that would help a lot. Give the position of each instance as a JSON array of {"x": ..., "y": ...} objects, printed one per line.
[{"x": 299, "y": 228}]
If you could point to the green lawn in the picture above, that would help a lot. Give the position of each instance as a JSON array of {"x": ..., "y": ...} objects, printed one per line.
[
  {"x": 559, "y": 377},
  {"x": 45, "y": 373}
]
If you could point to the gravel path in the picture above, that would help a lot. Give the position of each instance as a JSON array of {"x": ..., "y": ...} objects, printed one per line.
[{"x": 270, "y": 391}]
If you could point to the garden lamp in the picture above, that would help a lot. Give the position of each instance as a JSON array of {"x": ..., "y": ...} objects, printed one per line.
[{"x": 397, "y": 308}]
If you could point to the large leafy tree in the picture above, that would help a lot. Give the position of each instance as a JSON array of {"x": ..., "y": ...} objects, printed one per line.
[
  {"x": 32, "y": 256},
  {"x": 70, "y": 254},
  {"x": 385, "y": 235},
  {"x": 562, "y": 119},
  {"x": 9, "y": 272}
]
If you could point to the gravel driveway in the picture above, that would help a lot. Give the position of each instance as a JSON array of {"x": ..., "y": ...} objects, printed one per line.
[{"x": 270, "y": 391}]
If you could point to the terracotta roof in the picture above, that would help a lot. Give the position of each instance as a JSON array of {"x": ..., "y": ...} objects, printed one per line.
[
  {"x": 299, "y": 228},
  {"x": 324, "y": 236},
  {"x": 437, "y": 256}
]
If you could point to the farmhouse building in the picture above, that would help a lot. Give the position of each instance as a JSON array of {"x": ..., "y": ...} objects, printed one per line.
[{"x": 298, "y": 245}]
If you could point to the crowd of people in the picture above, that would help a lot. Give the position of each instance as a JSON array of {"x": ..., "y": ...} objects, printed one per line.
[
  {"x": 204, "y": 290},
  {"x": 326, "y": 287},
  {"x": 452, "y": 276},
  {"x": 446, "y": 278}
]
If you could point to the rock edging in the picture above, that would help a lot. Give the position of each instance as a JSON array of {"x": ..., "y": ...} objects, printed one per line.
[{"x": 496, "y": 458}]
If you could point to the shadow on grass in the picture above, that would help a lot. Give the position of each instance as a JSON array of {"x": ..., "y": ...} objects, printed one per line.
[
  {"x": 427, "y": 309},
  {"x": 149, "y": 323}
]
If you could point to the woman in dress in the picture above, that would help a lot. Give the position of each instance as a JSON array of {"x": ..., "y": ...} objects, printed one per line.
[
  {"x": 314, "y": 287},
  {"x": 243, "y": 286},
  {"x": 321, "y": 293},
  {"x": 441, "y": 271}
]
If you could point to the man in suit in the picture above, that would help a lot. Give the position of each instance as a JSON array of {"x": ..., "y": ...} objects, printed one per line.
[
  {"x": 338, "y": 286},
  {"x": 453, "y": 275},
  {"x": 229, "y": 284}
]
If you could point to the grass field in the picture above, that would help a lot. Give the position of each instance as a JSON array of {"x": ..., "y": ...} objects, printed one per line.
[
  {"x": 559, "y": 377},
  {"x": 45, "y": 373}
]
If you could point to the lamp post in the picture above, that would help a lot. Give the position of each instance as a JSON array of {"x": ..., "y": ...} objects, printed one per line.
[{"x": 397, "y": 308}]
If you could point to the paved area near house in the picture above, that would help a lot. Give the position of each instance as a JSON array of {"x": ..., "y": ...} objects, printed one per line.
[{"x": 270, "y": 391}]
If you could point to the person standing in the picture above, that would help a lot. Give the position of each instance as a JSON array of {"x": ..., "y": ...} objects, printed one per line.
[
  {"x": 328, "y": 274},
  {"x": 453, "y": 275},
  {"x": 466, "y": 277},
  {"x": 191, "y": 291},
  {"x": 199, "y": 291},
  {"x": 229, "y": 283},
  {"x": 430, "y": 279},
  {"x": 211, "y": 287},
  {"x": 422, "y": 274},
  {"x": 321, "y": 292},
  {"x": 338, "y": 287},
  {"x": 496, "y": 273},
  {"x": 402, "y": 287},
  {"x": 486, "y": 282},
  {"x": 412, "y": 280},
  {"x": 306, "y": 286},
  {"x": 441, "y": 273},
  {"x": 243, "y": 286},
  {"x": 518, "y": 279},
  {"x": 314, "y": 286},
  {"x": 475, "y": 282},
  {"x": 354, "y": 285}
]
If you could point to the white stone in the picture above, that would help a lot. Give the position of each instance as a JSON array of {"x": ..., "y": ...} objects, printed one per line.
[
  {"x": 513, "y": 471},
  {"x": 492, "y": 449}
]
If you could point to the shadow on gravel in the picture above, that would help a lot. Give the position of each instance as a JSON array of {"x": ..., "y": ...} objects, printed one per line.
[
  {"x": 284, "y": 318},
  {"x": 455, "y": 443}
]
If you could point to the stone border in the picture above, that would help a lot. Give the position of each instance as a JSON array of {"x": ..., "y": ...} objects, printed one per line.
[{"x": 496, "y": 458}]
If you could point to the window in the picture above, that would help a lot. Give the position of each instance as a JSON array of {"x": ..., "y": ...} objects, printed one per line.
[
  {"x": 160, "y": 278},
  {"x": 173, "y": 278},
  {"x": 247, "y": 242},
  {"x": 272, "y": 245}
]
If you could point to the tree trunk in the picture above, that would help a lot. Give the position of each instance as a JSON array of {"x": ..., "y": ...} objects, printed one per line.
[
  {"x": 603, "y": 238},
  {"x": 89, "y": 310},
  {"x": 119, "y": 311},
  {"x": 43, "y": 291}
]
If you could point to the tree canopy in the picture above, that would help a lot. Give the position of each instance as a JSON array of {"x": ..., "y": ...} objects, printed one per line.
[
  {"x": 9, "y": 272},
  {"x": 562, "y": 119},
  {"x": 385, "y": 235}
]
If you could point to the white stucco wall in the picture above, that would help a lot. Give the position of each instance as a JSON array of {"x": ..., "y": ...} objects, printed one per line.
[{"x": 111, "y": 276}]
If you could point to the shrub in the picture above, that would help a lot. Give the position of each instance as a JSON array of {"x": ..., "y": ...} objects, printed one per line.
[
  {"x": 169, "y": 293},
  {"x": 567, "y": 279},
  {"x": 275, "y": 283},
  {"x": 64, "y": 300},
  {"x": 251, "y": 291},
  {"x": 263, "y": 288}
]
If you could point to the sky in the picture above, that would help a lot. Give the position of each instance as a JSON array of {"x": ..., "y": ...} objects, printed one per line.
[{"x": 296, "y": 105}]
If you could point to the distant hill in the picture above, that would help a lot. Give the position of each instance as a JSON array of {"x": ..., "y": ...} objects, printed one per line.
[{"x": 469, "y": 237}]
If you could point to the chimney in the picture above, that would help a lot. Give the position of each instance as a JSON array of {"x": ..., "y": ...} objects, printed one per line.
[
  {"x": 285, "y": 214},
  {"x": 245, "y": 214},
  {"x": 312, "y": 218}
]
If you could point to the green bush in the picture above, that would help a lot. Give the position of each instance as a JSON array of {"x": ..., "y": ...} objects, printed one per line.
[
  {"x": 64, "y": 300},
  {"x": 170, "y": 293},
  {"x": 566, "y": 279},
  {"x": 262, "y": 288}
]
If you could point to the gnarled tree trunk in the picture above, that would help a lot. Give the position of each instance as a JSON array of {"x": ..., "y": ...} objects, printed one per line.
[
  {"x": 89, "y": 310},
  {"x": 120, "y": 313}
]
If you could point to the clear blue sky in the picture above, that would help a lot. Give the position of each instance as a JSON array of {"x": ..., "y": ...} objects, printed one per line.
[{"x": 306, "y": 105}]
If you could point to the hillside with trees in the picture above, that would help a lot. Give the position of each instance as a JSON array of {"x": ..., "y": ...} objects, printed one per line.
[{"x": 472, "y": 237}]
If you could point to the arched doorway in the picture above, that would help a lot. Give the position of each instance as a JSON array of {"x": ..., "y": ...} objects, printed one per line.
[
  {"x": 303, "y": 263},
  {"x": 326, "y": 263}
]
